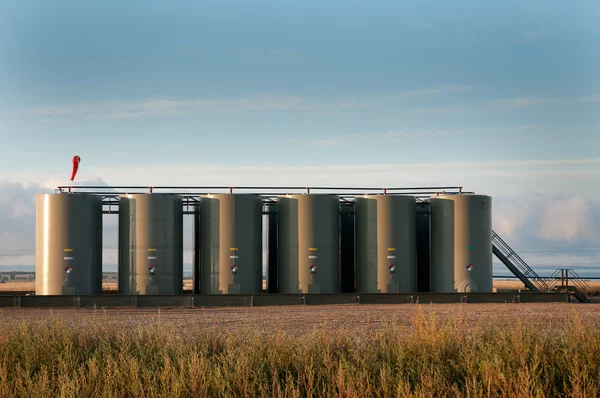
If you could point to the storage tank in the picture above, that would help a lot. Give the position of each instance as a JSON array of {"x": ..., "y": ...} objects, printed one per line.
[
  {"x": 386, "y": 244},
  {"x": 231, "y": 244},
  {"x": 461, "y": 243},
  {"x": 308, "y": 240},
  {"x": 150, "y": 244},
  {"x": 68, "y": 258}
]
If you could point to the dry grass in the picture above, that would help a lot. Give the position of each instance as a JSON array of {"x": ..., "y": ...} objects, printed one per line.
[
  {"x": 359, "y": 320},
  {"x": 350, "y": 351}
]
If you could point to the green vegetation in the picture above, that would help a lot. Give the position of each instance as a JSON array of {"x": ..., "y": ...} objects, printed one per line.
[{"x": 435, "y": 358}]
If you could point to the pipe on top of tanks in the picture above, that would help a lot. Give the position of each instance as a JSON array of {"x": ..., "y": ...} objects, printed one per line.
[
  {"x": 274, "y": 194},
  {"x": 61, "y": 187}
]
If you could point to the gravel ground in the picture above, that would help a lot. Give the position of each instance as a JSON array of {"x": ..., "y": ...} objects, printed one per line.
[{"x": 359, "y": 320}]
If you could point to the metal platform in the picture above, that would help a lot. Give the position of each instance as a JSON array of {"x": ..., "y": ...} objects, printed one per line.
[
  {"x": 191, "y": 194},
  {"x": 234, "y": 300}
]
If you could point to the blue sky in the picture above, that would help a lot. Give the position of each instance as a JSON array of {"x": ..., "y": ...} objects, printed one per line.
[
  {"x": 502, "y": 97},
  {"x": 271, "y": 82}
]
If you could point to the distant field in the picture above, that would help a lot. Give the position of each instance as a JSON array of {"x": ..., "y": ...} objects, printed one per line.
[{"x": 360, "y": 320}]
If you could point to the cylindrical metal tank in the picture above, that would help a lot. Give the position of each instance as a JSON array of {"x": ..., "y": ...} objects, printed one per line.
[
  {"x": 68, "y": 257},
  {"x": 231, "y": 244},
  {"x": 461, "y": 243},
  {"x": 150, "y": 244},
  {"x": 386, "y": 244},
  {"x": 308, "y": 240}
]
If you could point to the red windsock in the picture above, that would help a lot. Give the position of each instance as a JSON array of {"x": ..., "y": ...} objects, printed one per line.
[{"x": 76, "y": 160}]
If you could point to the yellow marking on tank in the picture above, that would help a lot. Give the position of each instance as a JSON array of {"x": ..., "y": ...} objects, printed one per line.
[
  {"x": 152, "y": 250},
  {"x": 233, "y": 249},
  {"x": 391, "y": 249},
  {"x": 68, "y": 250},
  {"x": 312, "y": 249}
]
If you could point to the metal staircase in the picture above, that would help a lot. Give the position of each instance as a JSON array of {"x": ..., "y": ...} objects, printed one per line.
[
  {"x": 570, "y": 281},
  {"x": 517, "y": 266}
]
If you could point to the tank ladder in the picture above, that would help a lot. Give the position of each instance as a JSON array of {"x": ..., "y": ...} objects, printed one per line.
[{"x": 517, "y": 265}]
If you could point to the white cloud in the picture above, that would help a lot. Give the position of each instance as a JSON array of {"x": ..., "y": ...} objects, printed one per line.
[
  {"x": 506, "y": 103},
  {"x": 403, "y": 134},
  {"x": 525, "y": 102},
  {"x": 331, "y": 141},
  {"x": 472, "y": 175},
  {"x": 563, "y": 220},
  {"x": 569, "y": 219},
  {"x": 522, "y": 102},
  {"x": 99, "y": 110},
  {"x": 514, "y": 178},
  {"x": 446, "y": 109},
  {"x": 17, "y": 223}
]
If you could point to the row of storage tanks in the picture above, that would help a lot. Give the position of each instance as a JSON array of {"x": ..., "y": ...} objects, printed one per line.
[{"x": 322, "y": 245}]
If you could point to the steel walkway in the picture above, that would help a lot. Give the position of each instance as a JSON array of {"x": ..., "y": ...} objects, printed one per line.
[
  {"x": 570, "y": 281},
  {"x": 517, "y": 265}
]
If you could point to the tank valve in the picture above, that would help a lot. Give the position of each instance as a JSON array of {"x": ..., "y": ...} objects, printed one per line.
[
  {"x": 150, "y": 188},
  {"x": 460, "y": 190},
  {"x": 470, "y": 287},
  {"x": 307, "y": 190},
  {"x": 385, "y": 191},
  {"x": 230, "y": 189}
]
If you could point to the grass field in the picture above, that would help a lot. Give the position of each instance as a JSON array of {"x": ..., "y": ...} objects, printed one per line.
[{"x": 512, "y": 350}]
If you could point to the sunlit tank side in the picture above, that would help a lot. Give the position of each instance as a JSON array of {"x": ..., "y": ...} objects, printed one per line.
[
  {"x": 461, "y": 243},
  {"x": 308, "y": 240},
  {"x": 68, "y": 244},
  {"x": 231, "y": 240},
  {"x": 386, "y": 244},
  {"x": 150, "y": 244}
]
